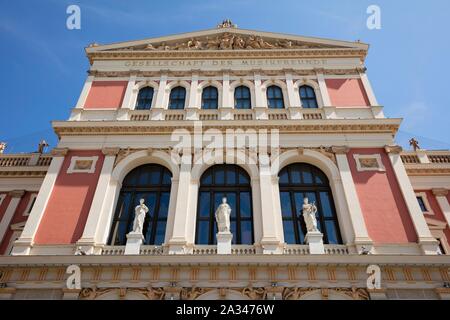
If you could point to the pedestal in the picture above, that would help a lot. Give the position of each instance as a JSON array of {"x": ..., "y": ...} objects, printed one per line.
[
  {"x": 224, "y": 242},
  {"x": 71, "y": 294},
  {"x": 134, "y": 242},
  {"x": 315, "y": 242}
]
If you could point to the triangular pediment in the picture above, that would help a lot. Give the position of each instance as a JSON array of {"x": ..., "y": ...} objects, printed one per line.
[{"x": 228, "y": 38}]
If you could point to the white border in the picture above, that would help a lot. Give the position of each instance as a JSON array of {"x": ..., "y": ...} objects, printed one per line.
[
  {"x": 424, "y": 197},
  {"x": 358, "y": 157},
  {"x": 74, "y": 159},
  {"x": 27, "y": 210},
  {"x": 2, "y": 197}
]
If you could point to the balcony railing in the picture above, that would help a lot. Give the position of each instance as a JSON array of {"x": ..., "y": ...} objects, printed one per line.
[
  {"x": 199, "y": 250},
  {"x": 24, "y": 160}
]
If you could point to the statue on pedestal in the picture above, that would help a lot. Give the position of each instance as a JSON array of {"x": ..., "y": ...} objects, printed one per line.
[
  {"x": 139, "y": 217},
  {"x": 222, "y": 214},
  {"x": 309, "y": 215}
]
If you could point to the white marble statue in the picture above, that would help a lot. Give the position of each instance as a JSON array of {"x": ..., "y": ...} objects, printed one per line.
[
  {"x": 309, "y": 215},
  {"x": 139, "y": 216},
  {"x": 223, "y": 213}
]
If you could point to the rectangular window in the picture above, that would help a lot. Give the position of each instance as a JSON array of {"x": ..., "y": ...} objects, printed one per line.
[
  {"x": 422, "y": 204},
  {"x": 30, "y": 205}
]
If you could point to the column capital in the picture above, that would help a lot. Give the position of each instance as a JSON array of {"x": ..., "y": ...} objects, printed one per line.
[
  {"x": 440, "y": 192},
  {"x": 393, "y": 149},
  {"x": 361, "y": 69},
  {"x": 59, "y": 152},
  {"x": 110, "y": 151},
  {"x": 16, "y": 193},
  {"x": 340, "y": 149}
]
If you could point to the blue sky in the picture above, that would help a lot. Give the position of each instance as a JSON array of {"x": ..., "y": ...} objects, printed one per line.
[{"x": 44, "y": 66}]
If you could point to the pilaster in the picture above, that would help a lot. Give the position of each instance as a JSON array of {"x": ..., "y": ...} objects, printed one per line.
[
  {"x": 24, "y": 244},
  {"x": 425, "y": 239},
  {"x": 362, "y": 238}
]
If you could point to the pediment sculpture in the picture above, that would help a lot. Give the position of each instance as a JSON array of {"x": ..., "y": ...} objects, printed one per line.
[{"x": 229, "y": 41}]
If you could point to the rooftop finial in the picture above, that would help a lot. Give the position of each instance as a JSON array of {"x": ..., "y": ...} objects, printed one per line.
[
  {"x": 2, "y": 147},
  {"x": 227, "y": 23}
]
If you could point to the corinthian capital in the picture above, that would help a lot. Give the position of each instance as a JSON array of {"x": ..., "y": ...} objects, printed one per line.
[
  {"x": 340, "y": 149},
  {"x": 441, "y": 192},
  {"x": 393, "y": 149},
  {"x": 59, "y": 152}
]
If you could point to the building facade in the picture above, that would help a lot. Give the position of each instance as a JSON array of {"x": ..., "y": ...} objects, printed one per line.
[{"x": 263, "y": 119}]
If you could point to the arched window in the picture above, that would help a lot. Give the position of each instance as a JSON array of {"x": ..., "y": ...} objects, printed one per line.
[
  {"x": 275, "y": 97},
  {"x": 232, "y": 182},
  {"x": 242, "y": 98},
  {"x": 300, "y": 180},
  {"x": 151, "y": 182},
  {"x": 144, "y": 99},
  {"x": 308, "y": 97},
  {"x": 177, "y": 98},
  {"x": 210, "y": 97}
]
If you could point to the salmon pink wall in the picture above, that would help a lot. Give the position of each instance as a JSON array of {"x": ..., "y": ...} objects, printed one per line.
[
  {"x": 68, "y": 207},
  {"x": 384, "y": 209},
  {"x": 106, "y": 95},
  {"x": 438, "y": 214},
  {"x": 347, "y": 93},
  {"x": 17, "y": 218}
]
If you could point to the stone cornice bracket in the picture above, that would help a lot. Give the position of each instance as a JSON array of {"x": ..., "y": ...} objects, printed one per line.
[
  {"x": 393, "y": 149},
  {"x": 361, "y": 69},
  {"x": 59, "y": 152},
  {"x": 340, "y": 149},
  {"x": 319, "y": 70},
  {"x": 16, "y": 193},
  {"x": 441, "y": 192},
  {"x": 110, "y": 151}
]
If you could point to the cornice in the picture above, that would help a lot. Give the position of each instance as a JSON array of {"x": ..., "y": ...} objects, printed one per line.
[
  {"x": 83, "y": 128},
  {"x": 228, "y": 54}
]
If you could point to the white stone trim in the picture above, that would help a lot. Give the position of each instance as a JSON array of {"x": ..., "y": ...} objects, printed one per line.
[
  {"x": 2, "y": 197},
  {"x": 203, "y": 83},
  {"x": 15, "y": 235},
  {"x": 368, "y": 88},
  {"x": 424, "y": 197},
  {"x": 24, "y": 244},
  {"x": 425, "y": 239},
  {"x": 330, "y": 169},
  {"x": 312, "y": 84},
  {"x": 138, "y": 86},
  {"x": 128, "y": 93},
  {"x": 113, "y": 188},
  {"x": 279, "y": 83},
  {"x": 352, "y": 199},
  {"x": 173, "y": 84},
  {"x": 84, "y": 92},
  {"x": 246, "y": 83},
  {"x": 73, "y": 161},
  {"x": 28, "y": 209},
  {"x": 8, "y": 215},
  {"x": 377, "y": 157}
]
